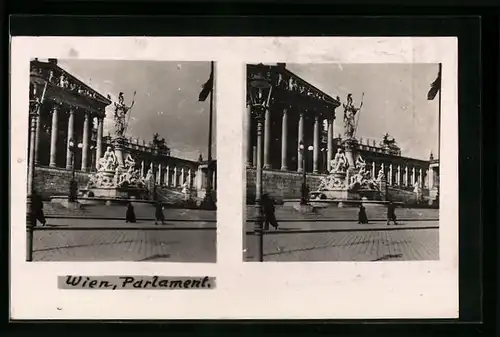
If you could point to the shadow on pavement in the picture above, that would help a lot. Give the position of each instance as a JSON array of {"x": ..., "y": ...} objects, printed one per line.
[
  {"x": 154, "y": 257},
  {"x": 101, "y": 244},
  {"x": 388, "y": 257}
]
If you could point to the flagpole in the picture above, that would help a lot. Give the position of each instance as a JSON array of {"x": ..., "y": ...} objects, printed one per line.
[
  {"x": 211, "y": 116},
  {"x": 439, "y": 124},
  {"x": 439, "y": 113},
  {"x": 209, "y": 202}
]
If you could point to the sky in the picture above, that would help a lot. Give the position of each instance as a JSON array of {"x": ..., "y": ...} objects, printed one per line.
[
  {"x": 394, "y": 102},
  {"x": 166, "y": 101}
]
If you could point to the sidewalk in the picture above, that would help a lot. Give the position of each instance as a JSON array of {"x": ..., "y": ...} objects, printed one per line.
[
  {"x": 311, "y": 225},
  {"x": 118, "y": 224}
]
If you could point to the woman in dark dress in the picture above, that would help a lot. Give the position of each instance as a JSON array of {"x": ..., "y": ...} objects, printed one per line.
[
  {"x": 159, "y": 214},
  {"x": 362, "y": 218},
  {"x": 130, "y": 217}
]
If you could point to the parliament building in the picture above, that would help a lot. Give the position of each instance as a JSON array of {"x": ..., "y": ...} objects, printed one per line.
[
  {"x": 300, "y": 112},
  {"x": 72, "y": 111}
]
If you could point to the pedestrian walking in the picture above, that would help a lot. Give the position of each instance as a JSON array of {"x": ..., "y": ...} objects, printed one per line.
[
  {"x": 362, "y": 218},
  {"x": 37, "y": 208},
  {"x": 130, "y": 216},
  {"x": 267, "y": 204},
  {"x": 159, "y": 217},
  {"x": 391, "y": 213}
]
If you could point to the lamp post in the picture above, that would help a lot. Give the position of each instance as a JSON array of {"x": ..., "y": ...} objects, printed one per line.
[
  {"x": 304, "y": 191},
  {"x": 73, "y": 185},
  {"x": 260, "y": 94},
  {"x": 34, "y": 115},
  {"x": 30, "y": 218}
]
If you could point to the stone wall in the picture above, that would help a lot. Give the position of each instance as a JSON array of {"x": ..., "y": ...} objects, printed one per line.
[
  {"x": 49, "y": 181},
  {"x": 280, "y": 184},
  {"x": 286, "y": 185}
]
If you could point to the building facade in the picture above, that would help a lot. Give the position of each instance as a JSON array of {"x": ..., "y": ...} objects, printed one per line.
[
  {"x": 74, "y": 112},
  {"x": 299, "y": 113}
]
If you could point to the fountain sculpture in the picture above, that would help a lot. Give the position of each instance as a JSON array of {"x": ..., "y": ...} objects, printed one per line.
[
  {"x": 117, "y": 175},
  {"x": 349, "y": 179}
]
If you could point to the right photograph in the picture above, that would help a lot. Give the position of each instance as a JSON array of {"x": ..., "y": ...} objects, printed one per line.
[{"x": 342, "y": 162}]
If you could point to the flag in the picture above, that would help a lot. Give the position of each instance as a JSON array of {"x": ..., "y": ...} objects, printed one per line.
[
  {"x": 435, "y": 87},
  {"x": 207, "y": 88}
]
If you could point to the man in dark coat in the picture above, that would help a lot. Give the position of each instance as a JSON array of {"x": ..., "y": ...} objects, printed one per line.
[
  {"x": 391, "y": 213},
  {"x": 267, "y": 204},
  {"x": 304, "y": 194},
  {"x": 130, "y": 216},
  {"x": 362, "y": 218},
  {"x": 37, "y": 208},
  {"x": 159, "y": 213}
]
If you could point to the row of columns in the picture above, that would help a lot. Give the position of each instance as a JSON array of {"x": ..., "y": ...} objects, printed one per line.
[
  {"x": 405, "y": 176},
  {"x": 285, "y": 141},
  {"x": 55, "y": 112},
  {"x": 165, "y": 173}
]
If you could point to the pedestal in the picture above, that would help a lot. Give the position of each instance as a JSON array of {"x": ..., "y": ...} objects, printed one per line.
[
  {"x": 119, "y": 147},
  {"x": 349, "y": 145}
]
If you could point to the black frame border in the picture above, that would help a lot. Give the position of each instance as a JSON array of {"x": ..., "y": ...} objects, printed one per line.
[{"x": 478, "y": 104}]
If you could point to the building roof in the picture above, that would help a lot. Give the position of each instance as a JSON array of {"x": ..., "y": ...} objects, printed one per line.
[
  {"x": 291, "y": 88},
  {"x": 76, "y": 93}
]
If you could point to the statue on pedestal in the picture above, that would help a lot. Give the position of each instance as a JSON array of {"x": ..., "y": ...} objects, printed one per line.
[
  {"x": 108, "y": 161},
  {"x": 120, "y": 114},
  {"x": 350, "y": 112},
  {"x": 339, "y": 164}
]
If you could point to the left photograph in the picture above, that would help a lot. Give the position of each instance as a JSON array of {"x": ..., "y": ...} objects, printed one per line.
[{"x": 121, "y": 161}]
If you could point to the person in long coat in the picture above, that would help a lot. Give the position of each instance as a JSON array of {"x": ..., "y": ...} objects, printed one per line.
[
  {"x": 130, "y": 216},
  {"x": 37, "y": 208},
  {"x": 159, "y": 213},
  {"x": 268, "y": 207},
  {"x": 362, "y": 218},
  {"x": 391, "y": 213}
]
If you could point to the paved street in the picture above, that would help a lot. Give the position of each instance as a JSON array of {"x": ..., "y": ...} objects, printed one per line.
[
  {"x": 353, "y": 242},
  {"x": 189, "y": 236}
]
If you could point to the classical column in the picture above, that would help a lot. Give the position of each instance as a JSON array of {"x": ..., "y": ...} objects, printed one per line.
[
  {"x": 413, "y": 176},
  {"x": 300, "y": 159},
  {"x": 399, "y": 176},
  {"x": 100, "y": 129},
  {"x": 249, "y": 137},
  {"x": 374, "y": 169},
  {"x": 85, "y": 149},
  {"x": 174, "y": 178},
  {"x": 431, "y": 178},
  {"x": 316, "y": 145},
  {"x": 159, "y": 174},
  {"x": 267, "y": 140},
  {"x": 190, "y": 182},
  {"x": 329, "y": 144},
  {"x": 37, "y": 136},
  {"x": 53, "y": 136},
  {"x": 284, "y": 140},
  {"x": 182, "y": 176},
  {"x": 167, "y": 176},
  {"x": 420, "y": 178},
  {"x": 71, "y": 135},
  {"x": 406, "y": 176},
  {"x": 382, "y": 167},
  {"x": 390, "y": 174},
  {"x": 254, "y": 156},
  {"x": 142, "y": 169}
]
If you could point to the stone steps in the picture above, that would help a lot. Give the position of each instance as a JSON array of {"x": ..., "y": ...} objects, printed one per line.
[
  {"x": 118, "y": 211},
  {"x": 286, "y": 212}
]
